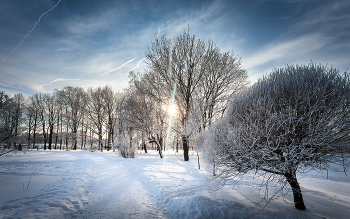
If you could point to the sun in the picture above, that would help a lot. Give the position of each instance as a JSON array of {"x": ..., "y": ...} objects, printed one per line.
[{"x": 171, "y": 109}]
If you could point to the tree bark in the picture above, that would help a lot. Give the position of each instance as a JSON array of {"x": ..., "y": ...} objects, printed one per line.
[
  {"x": 44, "y": 134},
  {"x": 75, "y": 142},
  {"x": 185, "y": 147},
  {"x": 143, "y": 142},
  {"x": 50, "y": 137},
  {"x": 145, "y": 147},
  {"x": 159, "y": 149},
  {"x": 177, "y": 145},
  {"x": 34, "y": 129},
  {"x": 293, "y": 182},
  {"x": 29, "y": 129}
]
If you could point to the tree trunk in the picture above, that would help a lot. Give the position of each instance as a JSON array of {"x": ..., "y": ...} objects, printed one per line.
[
  {"x": 199, "y": 165},
  {"x": 50, "y": 137},
  {"x": 90, "y": 138},
  {"x": 143, "y": 142},
  {"x": 44, "y": 135},
  {"x": 57, "y": 130},
  {"x": 29, "y": 129},
  {"x": 145, "y": 147},
  {"x": 61, "y": 135},
  {"x": 109, "y": 136},
  {"x": 293, "y": 182},
  {"x": 159, "y": 149},
  {"x": 85, "y": 134},
  {"x": 161, "y": 143},
  {"x": 56, "y": 139},
  {"x": 185, "y": 147},
  {"x": 108, "y": 140},
  {"x": 34, "y": 129},
  {"x": 45, "y": 140},
  {"x": 67, "y": 131},
  {"x": 82, "y": 134},
  {"x": 100, "y": 139},
  {"x": 75, "y": 142},
  {"x": 177, "y": 145}
]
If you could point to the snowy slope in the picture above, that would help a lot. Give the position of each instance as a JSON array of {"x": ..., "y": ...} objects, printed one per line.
[{"x": 82, "y": 184}]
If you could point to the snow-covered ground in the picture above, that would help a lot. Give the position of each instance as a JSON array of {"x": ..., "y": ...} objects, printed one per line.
[{"x": 83, "y": 184}]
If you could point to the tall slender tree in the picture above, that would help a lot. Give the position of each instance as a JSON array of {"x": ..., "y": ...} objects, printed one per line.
[
  {"x": 96, "y": 112},
  {"x": 75, "y": 99}
]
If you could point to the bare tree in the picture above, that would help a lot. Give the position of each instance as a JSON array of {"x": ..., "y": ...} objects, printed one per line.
[
  {"x": 59, "y": 120},
  {"x": 195, "y": 76},
  {"x": 6, "y": 125},
  {"x": 96, "y": 112},
  {"x": 38, "y": 103},
  {"x": 129, "y": 124},
  {"x": 137, "y": 114},
  {"x": 150, "y": 105},
  {"x": 295, "y": 119},
  {"x": 18, "y": 118},
  {"x": 34, "y": 108},
  {"x": 109, "y": 102},
  {"x": 32, "y": 118},
  {"x": 50, "y": 103},
  {"x": 12, "y": 121},
  {"x": 74, "y": 98},
  {"x": 5, "y": 112},
  {"x": 224, "y": 76},
  {"x": 180, "y": 69}
]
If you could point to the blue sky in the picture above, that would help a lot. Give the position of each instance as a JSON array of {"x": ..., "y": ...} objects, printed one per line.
[{"x": 89, "y": 43}]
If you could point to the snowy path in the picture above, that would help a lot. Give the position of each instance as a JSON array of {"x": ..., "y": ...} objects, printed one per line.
[
  {"x": 116, "y": 189},
  {"x": 81, "y": 184}
]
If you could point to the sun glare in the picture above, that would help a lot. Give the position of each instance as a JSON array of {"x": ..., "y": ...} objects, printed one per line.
[{"x": 171, "y": 109}]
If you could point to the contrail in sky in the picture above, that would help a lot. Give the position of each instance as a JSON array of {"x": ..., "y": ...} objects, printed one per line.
[
  {"x": 138, "y": 64},
  {"x": 4, "y": 59},
  {"x": 115, "y": 69},
  {"x": 59, "y": 79}
]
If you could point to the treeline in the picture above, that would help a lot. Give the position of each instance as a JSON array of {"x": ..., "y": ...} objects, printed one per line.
[
  {"x": 187, "y": 85},
  {"x": 66, "y": 117}
]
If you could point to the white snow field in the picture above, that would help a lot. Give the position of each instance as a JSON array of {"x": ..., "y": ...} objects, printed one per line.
[{"x": 83, "y": 184}]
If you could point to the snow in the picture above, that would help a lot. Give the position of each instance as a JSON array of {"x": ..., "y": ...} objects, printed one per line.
[{"x": 83, "y": 184}]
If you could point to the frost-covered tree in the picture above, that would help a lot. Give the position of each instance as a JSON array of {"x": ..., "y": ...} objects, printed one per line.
[
  {"x": 109, "y": 102},
  {"x": 140, "y": 110},
  {"x": 12, "y": 120},
  {"x": 224, "y": 76},
  {"x": 50, "y": 103},
  {"x": 75, "y": 100},
  {"x": 96, "y": 112},
  {"x": 6, "y": 128},
  {"x": 41, "y": 110},
  {"x": 32, "y": 120},
  {"x": 126, "y": 147},
  {"x": 292, "y": 120},
  {"x": 193, "y": 75}
]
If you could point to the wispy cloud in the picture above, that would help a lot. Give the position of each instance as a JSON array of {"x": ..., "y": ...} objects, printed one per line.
[
  {"x": 96, "y": 44},
  {"x": 115, "y": 69},
  {"x": 332, "y": 18},
  {"x": 287, "y": 50},
  {"x": 320, "y": 35},
  {"x": 94, "y": 21}
]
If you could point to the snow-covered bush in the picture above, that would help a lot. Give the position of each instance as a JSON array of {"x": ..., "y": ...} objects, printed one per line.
[
  {"x": 295, "y": 119},
  {"x": 125, "y": 146}
]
